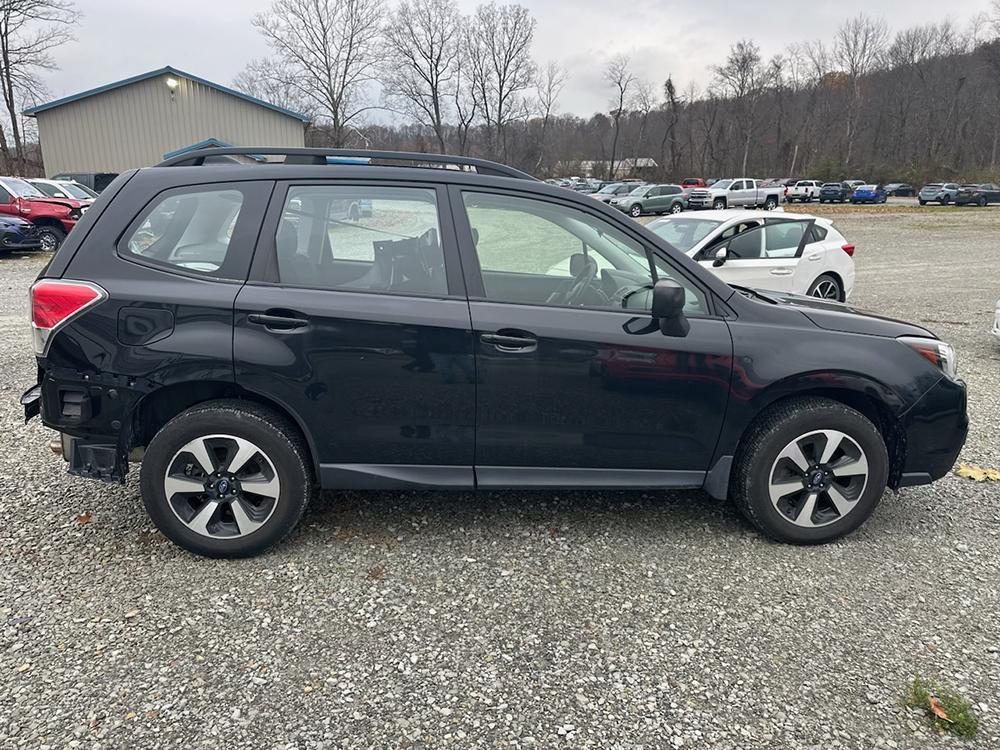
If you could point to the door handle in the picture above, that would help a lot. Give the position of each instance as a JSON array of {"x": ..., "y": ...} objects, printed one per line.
[
  {"x": 512, "y": 341},
  {"x": 277, "y": 322},
  {"x": 816, "y": 256},
  {"x": 781, "y": 271}
]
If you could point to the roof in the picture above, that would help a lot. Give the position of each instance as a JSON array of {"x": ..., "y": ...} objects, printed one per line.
[{"x": 167, "y": 70}]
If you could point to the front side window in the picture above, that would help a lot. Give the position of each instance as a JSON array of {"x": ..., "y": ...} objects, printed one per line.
[
  {"x": 188, "y": 230},
  {"x": 535, "y": 252},
  {"x": 683, "y": 233},
  {"x": 361, "y": 238},
  {"x": 50, "y": 190}
]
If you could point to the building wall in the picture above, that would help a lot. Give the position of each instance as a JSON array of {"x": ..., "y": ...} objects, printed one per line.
[{"x": 135, "y": 125}]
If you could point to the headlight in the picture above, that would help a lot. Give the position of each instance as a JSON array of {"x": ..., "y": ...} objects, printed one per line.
[{"x": 938, "y": 353}]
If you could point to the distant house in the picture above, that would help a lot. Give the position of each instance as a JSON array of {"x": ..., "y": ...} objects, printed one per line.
[
  {"x": 141, "y": 120},
  {"x": 634, "y": 166}
]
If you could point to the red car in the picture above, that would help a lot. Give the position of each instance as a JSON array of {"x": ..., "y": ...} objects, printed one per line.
[{"x": 54, "y": 217}]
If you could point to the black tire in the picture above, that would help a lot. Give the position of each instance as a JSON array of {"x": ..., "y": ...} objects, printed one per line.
[
  {"x": 779, "y": 426},
  {"x": 944, "y": 201},
  {"x": 635, "y": 211},
  {"x": 51, "y": 238},
  {"x": 922, "y": 202},
  {"x": 718, "y": 204},
  {"x": 770, "y": 204},
  {"x": 826, "y": 279},
  {"x": 277, "y": 439},
  {"x": 982, "y": 201},
  {"x": 676, "y": 207}
]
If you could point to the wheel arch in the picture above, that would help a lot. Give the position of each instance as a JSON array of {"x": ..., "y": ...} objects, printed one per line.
[
  {"x": 839, "y": 279},
  {"x": 159, "y": 406}
]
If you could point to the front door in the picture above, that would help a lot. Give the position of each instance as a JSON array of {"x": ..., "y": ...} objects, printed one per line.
[
  {"x": 356, "y": 323},
  {"x": 577, "y": 386}
]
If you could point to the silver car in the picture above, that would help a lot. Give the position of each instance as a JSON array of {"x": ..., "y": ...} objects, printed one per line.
[{"x": 938, "y": 192}]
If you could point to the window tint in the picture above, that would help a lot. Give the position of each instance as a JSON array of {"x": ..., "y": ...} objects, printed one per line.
[
  {"x": 361, "y": 238},
  {"x": 5, "y": 196},
  {"x": 738, "y": 185},
  {"x": 817, "y": 233},
  {"x": 189, "y": 230},
  {"x": 536, "y": 252},
  {"x": 672, "y": 190}
]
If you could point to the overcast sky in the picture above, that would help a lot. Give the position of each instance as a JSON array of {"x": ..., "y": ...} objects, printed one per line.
[{"x": 214, "y": 39}]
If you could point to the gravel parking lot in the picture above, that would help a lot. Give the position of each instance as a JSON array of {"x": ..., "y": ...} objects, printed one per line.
[{"x": 516, "y": 620}]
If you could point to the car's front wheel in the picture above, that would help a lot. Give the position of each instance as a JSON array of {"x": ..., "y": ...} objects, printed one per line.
[
  {"x": 635, "y": 211},
  {"x": 50, "y": 238},
  {"x": 226, "y": 479},
  {"x": 809, "y": 470},
  {"x": 718, "y": 205}
]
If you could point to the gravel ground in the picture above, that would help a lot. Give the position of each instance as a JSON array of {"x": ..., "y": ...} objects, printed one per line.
[{"x": 515, "y": 620}]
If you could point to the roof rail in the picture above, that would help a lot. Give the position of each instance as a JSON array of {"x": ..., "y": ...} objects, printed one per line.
[{"x": 321, "y": 156}]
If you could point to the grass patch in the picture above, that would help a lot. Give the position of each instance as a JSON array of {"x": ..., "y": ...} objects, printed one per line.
[{"x": 946, "y": 710}]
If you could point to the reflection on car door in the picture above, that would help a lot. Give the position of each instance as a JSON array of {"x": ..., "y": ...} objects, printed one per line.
[
  {"x": 583, "y": 390},
  {"x": 765, "y": 257}
]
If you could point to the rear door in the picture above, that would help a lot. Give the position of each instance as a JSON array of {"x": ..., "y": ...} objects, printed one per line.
[
  {"x": 765, "y": 257},
  {"x": 357, "y": 322}
]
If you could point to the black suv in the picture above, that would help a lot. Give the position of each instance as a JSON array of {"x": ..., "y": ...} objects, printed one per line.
[{"x": 234, "y": 325}]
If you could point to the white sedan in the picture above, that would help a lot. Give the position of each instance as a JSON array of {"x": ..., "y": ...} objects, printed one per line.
[{"x": 780, "y": 251}]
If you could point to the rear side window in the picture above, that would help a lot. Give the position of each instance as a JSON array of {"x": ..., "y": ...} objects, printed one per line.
[
  {"x": 190, "y": 230},
  {"x": 361, "y": 238}
]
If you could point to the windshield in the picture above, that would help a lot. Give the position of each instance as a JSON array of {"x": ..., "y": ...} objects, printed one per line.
[
  {"x": 722, "y": 184},
  {"x": 22, "y": 188},
  {"x": 683, "y": 233},
  {"x": 641, "y": 190},
  {"x": 613, "y": 188},
  {"x": 868, "y": 187},
  {"x": 933, "y": 186},
  {"x": 50, "y": 190},
  {"x": 77, "y": 191},
  {"x": 832, "y": 185}
]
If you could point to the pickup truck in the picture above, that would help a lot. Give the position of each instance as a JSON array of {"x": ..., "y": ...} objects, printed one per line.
[
  {"x": 742, "y": 192},
  {"x": 804, "y": 191}
]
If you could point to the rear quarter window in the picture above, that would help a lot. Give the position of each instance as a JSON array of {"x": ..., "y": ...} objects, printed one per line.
[{"x": 203, "y": 230}]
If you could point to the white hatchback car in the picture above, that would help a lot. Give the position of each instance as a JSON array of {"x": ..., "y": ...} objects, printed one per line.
[{"x": 780, "y": 251}]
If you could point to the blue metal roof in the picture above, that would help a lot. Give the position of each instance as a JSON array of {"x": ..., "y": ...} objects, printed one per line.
[{"x": 168, "y": 70}]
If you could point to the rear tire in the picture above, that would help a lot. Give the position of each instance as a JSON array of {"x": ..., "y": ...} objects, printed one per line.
[
  {"x": 923, "y": 202},
  {"x": 676, "y": 208},
  {"x": 785, "y": 488},
  {"x": 236, "y": 513},
  {"x": 827, "y": 287},
  {"x": 770, "y": 204}
]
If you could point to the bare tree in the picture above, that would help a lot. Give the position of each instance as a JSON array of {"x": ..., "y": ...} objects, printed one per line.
[
  {"x": 744, "y": 78},
  {"x": 463, "y": 93},
  {"x": 550, "y": 84},
  {"x": 29, "y": 31},
  {"x": 619, "y": 76},
  {"x": 332, "y": 48},
  {"x": 643, "y": 102},
  {"x": 498, "y": 43},
  {"x": 423, "y": 42},
  {"x": 858, "y": 50},
  {"x": 272, "y": 81}
]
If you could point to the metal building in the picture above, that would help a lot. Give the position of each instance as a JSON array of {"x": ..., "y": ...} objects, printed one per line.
[{"x": 138, "y": 121}]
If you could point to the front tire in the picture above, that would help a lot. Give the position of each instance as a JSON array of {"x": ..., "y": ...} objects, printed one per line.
[
  {"x": 51, "y": 238},
  {"x": 226, "y": 479},
  {"x": 635, "y": 211},
  {"x": 718, "y": 205},
  {"x": 809, "y": 470}
]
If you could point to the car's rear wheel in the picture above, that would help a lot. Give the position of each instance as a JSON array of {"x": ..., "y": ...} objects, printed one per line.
[
  {"x": 981, "y": 202},
  {"x": 922, "y": 202},
  {"x": 226, "y": 479},
  {"x": 826, "y": 287},
  {"x": 770, "y": 204},
  {"x": 51, "y": 238},
  {"x": 809, "y": 470},
  {"x": 676, "y": 208},
  {"x": 635, "y": 211}
]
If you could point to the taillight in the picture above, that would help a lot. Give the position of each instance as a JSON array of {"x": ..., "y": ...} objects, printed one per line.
[
  {"x": 55, "y": 302},
  {"x": 849, "y": 249}
]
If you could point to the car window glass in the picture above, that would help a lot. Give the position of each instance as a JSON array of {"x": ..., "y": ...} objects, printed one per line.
[
  {"x": 536, "y": 252},
  {"x": 745, "y": 246},
  {"x": 781, "y": 239},
  {"x": 361, "y": 238},
  {"x": 683, "y": 233},
  {"x": 188, "y": 230}
]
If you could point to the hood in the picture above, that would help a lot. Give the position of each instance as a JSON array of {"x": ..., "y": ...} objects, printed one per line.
[
  {"x": 67, "y": 202},
  {"x": 837, "y": 316}
]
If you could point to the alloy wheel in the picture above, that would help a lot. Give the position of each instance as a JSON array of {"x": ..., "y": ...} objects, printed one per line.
[
  {"x": 221, "y": 486},
  {"x": 818, "y": 478},
  {"x": 48, "y": 241},
  {"x": 827, "y": 289}
]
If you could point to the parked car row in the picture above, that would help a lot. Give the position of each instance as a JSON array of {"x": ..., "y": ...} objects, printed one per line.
[{"x": 38, "y": 214}]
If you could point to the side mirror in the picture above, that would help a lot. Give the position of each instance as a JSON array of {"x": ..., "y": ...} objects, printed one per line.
[
  {"x": 668, "y": 308},
  {"x": 721, "y": 255}
]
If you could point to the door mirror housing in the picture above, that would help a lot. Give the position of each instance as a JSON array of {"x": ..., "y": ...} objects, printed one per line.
[
  {"x": 668, "y": 308},
  {"x": 721, "y": 255}
]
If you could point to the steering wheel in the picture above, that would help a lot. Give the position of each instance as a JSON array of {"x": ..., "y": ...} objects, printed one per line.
[{"x": 573, "y": 291}]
